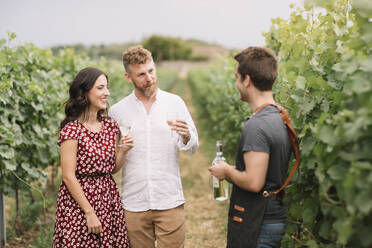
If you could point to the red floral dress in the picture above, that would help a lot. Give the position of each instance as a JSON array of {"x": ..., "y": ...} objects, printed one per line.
[{"x": 95, "y": 156}]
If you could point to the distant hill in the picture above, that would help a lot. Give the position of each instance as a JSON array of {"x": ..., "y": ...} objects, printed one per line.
[
  {"x": 112, "y": 51},
  {"x": 211, "y": 51},
  {"x": 201, "y": 51}
]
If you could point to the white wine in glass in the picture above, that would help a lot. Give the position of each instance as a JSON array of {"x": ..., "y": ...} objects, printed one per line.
[
  {"x": 170, "y": 123},
  {"x": 173, "y": 133},
  {"x": 124, "y": 130}
]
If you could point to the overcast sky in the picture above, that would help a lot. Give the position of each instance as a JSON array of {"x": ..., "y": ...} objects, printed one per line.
[{"x": 231, "y": 23}]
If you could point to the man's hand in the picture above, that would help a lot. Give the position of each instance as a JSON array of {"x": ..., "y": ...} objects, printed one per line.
[
  {"x": 182, "y": 129},
  {"x": 219, "y": 170}
]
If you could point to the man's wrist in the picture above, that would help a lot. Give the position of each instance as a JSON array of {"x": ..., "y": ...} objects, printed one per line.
[{"x": 227, "y": 172}]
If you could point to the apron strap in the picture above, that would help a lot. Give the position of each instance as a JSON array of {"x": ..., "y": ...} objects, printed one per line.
[{"x": 293, "y": 139}]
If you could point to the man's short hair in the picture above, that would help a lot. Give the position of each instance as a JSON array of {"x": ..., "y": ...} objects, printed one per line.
[
  {"x": 136, "y": 55},
  {"x": 261, "y": 64}
]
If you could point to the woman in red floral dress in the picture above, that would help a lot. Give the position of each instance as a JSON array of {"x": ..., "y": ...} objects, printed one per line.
[{"x": 89, "y": 212}]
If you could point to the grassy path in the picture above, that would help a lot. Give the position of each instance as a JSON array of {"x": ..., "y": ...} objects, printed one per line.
[{"x": 206, "y": 219}]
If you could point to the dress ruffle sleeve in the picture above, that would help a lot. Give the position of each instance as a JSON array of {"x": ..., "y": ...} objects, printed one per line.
[{"x": 68, "y": 132}]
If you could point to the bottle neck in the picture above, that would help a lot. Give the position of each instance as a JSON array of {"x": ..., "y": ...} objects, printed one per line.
[{"x": 219, "y": 154}]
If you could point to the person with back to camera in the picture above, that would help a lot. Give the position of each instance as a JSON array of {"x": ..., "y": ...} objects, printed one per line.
[
  {"x": 160, "y": 125},
  {"x": 257, "y": 216},
  {"x": 89, "y": 211}
]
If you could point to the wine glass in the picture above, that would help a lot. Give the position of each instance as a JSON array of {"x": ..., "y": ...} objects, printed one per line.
[
  {"x": 124, "y": 130},
  {"x": 171, "y": 121}
]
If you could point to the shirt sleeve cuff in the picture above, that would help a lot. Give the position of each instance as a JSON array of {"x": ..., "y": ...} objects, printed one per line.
[{"x": 191, "y": 146}]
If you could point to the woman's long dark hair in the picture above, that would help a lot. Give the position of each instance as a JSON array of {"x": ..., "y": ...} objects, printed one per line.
[{"x": 78, "y": 102}]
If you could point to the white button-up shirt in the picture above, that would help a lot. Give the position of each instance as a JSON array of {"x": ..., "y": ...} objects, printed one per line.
[{"x": 150, "y": 175}]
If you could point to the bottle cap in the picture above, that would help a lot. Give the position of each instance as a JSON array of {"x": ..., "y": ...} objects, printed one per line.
[{"x": 219, "y": 145}]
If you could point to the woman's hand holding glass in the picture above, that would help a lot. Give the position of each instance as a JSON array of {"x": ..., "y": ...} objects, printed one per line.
[
  {"x": 126, "y": 143},
  {"x": 126, "y": 140}
]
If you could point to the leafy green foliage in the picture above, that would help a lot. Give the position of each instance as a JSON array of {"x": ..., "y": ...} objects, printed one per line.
[
  {"x": 33, "y": 84},
  {"x": 325, "y": 83},
  {"x": 220, "y": 105},
  {"x": 167, "y": 48},
  {"x": 167, "y": 78}
]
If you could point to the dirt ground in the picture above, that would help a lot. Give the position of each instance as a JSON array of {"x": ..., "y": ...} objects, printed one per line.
[{"x": 206, "y": 219}]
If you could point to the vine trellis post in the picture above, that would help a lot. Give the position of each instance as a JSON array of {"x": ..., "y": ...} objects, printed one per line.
[{"x": 2, "y": 222}]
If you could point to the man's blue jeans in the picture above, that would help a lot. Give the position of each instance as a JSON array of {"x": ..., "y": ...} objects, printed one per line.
[{"x": 271, "y": 235}]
